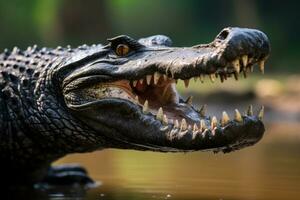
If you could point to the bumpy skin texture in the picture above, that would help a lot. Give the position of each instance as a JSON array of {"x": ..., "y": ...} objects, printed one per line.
[
  {"x": 35, "y": 127},
  {"x": 40, "y": 123}
]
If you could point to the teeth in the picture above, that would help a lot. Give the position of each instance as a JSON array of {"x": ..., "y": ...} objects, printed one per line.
[
  {"x": 221, "y": 78},
  {"x": 195, "y": 128},
  {"x": 202, "y": 110},
  {"x": 176, "y": 124},
  {"x": 146, "y": 107},
  {"x": 148, "y": 79},
  {"x": 202, "y": 125},
  {"x": 195, "y": 78},
  {"x": 171, "y": 121},
  {"x": 245, "y": 60},
  {"x": 183, "y": 125},
  {"x": 165, "y": 77},
  {"x": 156, "y": 77},
  {"x": 141, "y": 81},
  {"x": 136, "y": 98},
  {"x": 211, "y": 76},
  {"x": 134, "y": 83},
  {"x": 236, "y": 65},
  {"x": 214, "y": 122},
  {"x": 186, "y": 83},
  {"x": 225, "y": 118},
  {"x": 245, "y": 73},
  {"x": 189, "y": 100},
  {"x": 237, "y": 116},
  {"x": 250, "y": 110},
  {"x": 236, "y": 76},
  {"x": 261, "y": 113},
  {"x": 251, "y": 68},
  {"x": 165, "y": 120},
  {"x": 261, "y": 65},
  {"x": 172, "y": 74},
  {"x": 250, "y": 60},
  {"x": 160, "y": 114}
]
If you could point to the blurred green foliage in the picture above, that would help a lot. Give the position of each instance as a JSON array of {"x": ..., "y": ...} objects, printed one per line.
[{"x": 62, "y": 22}]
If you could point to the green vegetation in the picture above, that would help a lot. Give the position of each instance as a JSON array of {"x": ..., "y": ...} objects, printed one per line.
[{"x": 62, "y": 22}]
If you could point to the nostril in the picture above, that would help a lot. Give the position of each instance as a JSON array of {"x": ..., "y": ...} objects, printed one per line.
[{"x": 223, "y": 35}]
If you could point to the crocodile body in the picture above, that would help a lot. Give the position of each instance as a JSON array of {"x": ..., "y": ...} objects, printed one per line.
[{"x": 121, "y": 95}]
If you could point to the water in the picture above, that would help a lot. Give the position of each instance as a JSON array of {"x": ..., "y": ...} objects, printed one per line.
[{"x": 268, "y": 170}]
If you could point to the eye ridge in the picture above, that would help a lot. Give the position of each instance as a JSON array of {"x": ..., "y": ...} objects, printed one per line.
[{"x": 122, "y": 49}]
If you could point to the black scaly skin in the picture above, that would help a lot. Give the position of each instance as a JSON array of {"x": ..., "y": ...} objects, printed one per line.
[
  {"x": 35, "y": 129},
  {"x": 49, "y": 108}
]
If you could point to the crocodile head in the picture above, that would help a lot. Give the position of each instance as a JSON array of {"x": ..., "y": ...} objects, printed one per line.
[{"x": 126, "y": 91}]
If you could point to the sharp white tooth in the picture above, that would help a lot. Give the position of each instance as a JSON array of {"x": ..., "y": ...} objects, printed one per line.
[
  {"x": 156, "y": 77},
  {"x": 261, "y": 65},
  {"x": 236, "y": 76},
  {"x": 186, "y": 83},
  {"x": 176, "y": 124},
  {"x": 245, "y": 60},
  {"x": 165, "y": 77},
  {"x": 165, "y": 120},
  {"x": 136, "y": 98},
  {"x": 202, "y": 110},
  {"x": 214, "y": 122},
  {"x": 221, "y": 78},
  {"x": 250, "y": 110},
  {"x": 141, "y": 81},
  {"x": 236, "y": 65},
  {"x": 195, "y": 79},
  {"x": 250, "y": 60},
  {"x": 261, "y": 113},
  {"x": 202, "y": 125},
  {"x": 148, "y": 79},
  {"x": 183, "y": 125},
  {"x": 172, "y": 73},
  {"x": 251, "y": 68},
  {"x": 195, "y": 128},
  {"x": 225, "y": 118},
  {"x": 134, "y": 83},
  {"x": 245, "y": 73},
  {"x": 237, "y": 116},
  {"x": 160, "y": 114},
  {"x": 189, "y": 100},
  {"x": 201, "y": 77},
  {"x": 212, "y": 78},
  {"x": 146, "y": 107}
]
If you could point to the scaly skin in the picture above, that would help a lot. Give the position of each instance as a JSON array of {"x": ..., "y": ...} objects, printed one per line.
[{"x": 59, "y": 101}]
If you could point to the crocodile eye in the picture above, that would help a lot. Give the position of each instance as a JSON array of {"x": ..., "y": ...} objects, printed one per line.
[{"x": 122, "y": 50}]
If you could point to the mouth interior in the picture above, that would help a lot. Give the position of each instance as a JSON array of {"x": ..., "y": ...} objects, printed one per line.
[{"x": 156, "y": 94}]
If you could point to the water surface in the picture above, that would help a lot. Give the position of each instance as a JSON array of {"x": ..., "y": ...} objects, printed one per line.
[{"x": 268, "y": 170}]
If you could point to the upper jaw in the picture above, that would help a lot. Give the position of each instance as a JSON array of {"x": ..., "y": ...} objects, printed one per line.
[{"x": 230, "y": 54}]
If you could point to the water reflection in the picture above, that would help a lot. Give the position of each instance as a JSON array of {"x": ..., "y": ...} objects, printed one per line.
[{"x": 269, "y": 170}]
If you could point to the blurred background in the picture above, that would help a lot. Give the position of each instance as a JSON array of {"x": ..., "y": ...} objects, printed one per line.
[{"x": 269, "y": 170}]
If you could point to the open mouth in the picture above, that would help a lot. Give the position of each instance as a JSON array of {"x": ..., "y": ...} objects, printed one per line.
[{"x": 156, "y": 95}]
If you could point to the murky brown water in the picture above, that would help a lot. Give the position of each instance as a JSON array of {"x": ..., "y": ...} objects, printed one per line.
[{"x": 268, "y": 170}]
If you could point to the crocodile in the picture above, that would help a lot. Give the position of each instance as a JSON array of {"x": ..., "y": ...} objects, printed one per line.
[{"x": 57, "y": 101}]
